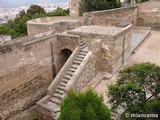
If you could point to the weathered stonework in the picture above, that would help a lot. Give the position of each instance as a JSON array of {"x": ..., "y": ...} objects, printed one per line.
[
  {"x": 74, "y": 7},
  {"x": 114, "y": 17},
  {"x": 26, "y": 67},
  {"x": 51, "y": 24}
]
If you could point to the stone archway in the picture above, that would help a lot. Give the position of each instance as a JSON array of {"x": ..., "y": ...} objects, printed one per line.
[
  {"x": 63, "y": 57},
  {"x": 140, "y": 22}
]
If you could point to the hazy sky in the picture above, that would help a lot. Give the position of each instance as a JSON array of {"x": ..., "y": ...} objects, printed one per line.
[{"x": 14, "y": 3}]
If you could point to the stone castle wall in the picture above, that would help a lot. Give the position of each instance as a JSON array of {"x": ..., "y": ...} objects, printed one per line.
[
  {"x": 119, "y": 16},
  {"x": 93, "y": 66},
  {"x": 149, "y": 18},
  {"x": 149, "y": 13},
  {"x": 53, "y": 24},
  {"x": 25, "y": 73},
  {"x": 25, "y": 70},
  {"x": 74, "y": 7},
  {"x": 115, "y": 49}
]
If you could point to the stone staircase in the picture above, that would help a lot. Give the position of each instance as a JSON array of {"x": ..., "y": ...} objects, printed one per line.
[
  {"x": 50, "y": 105},
  {"x": 114, "y": 115}
]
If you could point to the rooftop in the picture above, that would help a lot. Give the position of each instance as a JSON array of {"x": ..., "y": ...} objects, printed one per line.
[
  {"x": 97, "y": 29},
  {"x": 52, "y": 20}
]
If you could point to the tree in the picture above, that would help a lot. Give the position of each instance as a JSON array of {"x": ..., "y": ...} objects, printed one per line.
[
  {"x": 18, "y": 27},
  {"x": 133, "y": 86},
  {"x": 94, "y": 5},
  {"x": 84, "y": 106},
  {"x": 35, "y": 9},
  {"x": 58, "y": 12},
  {"x": 22, "y": 13}
]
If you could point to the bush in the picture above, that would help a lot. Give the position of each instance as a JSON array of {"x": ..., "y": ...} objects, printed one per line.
[
  {"x": 84, "y": 106},
  {"x": 58, "y": 13}
]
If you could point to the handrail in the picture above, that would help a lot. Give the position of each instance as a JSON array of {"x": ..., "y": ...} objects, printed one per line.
[
  {"x": 78, "y": 72},
  {"x": 63, "y": 71}
]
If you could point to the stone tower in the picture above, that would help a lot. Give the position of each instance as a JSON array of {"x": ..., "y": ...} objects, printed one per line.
[{"x": 74, "y": 8}]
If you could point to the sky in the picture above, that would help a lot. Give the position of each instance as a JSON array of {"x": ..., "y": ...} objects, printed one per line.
[{"x": 15, "y": 3}]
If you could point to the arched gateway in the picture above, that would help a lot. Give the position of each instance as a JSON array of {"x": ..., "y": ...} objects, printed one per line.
[{"x": 63, "y": 57}]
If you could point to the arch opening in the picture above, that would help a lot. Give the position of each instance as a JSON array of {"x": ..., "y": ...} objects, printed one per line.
[
  {"x": 63, "y": 57},
  {"x": 140, "y": 22}
]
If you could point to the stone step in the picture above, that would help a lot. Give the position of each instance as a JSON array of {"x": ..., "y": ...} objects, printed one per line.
[
  {"x": 59, "y": 91},
  {"x": 61, "y": 88},
  {"x": 82, "y": 53},
  {"x": 79, "y": 59},
  {"x": 63, "y": 84},
  {"x": 75, "y": 66},
  {"x": 58, "y": 96},
  {"x": 72, "y": 69},
  {"x": 56, "y": 115},
  {"x": 77, "y": 62},
  {"x": 70, "y": 73},
  {"x": 67, "y": 76},
  {"x": 55, "y": 100},
  {"x": 83, "y": 46},
  {"x": 80, "y": 56},
  {"x": 113, "y": 114},
  {"x": 65, "y": 80},
  {"x": 82, "y": 43},
  {"x": 56, "y": 110}
]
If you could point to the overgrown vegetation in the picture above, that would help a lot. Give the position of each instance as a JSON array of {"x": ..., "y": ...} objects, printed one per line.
[
  {"x": 84, "y": 106},
  {"x": 137, "y": 89},
  {"x": 94, "y": 5},
  {"x": 18, "y": 27}
]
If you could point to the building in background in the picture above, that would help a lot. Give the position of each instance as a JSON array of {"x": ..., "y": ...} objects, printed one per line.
[{"x": 74, "y": 7}]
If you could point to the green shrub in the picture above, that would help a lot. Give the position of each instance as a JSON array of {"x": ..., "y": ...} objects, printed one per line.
[{"x": 84, "y": 106}]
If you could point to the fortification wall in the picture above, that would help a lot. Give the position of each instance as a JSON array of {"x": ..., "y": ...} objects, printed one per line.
[
  {"x": 25, "y": 73},
  {"x": 115, "y": 49},
  {"x": 25, "y": 70},
  {"x": 74, "y": 7},
  {"x": 122, "y": 48},
  {"x": 149, "y": 17},
  {"x": 54, "y": 24},
  {"x": 149, "y": 13},
  {"x": 119, "y": 16},
  {"x": 92, "y": 67}
]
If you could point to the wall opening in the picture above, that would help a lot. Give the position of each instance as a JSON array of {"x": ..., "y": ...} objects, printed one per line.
[
  {"x": 140, "y": 22},
  {"x": 63, "y": 57}
]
